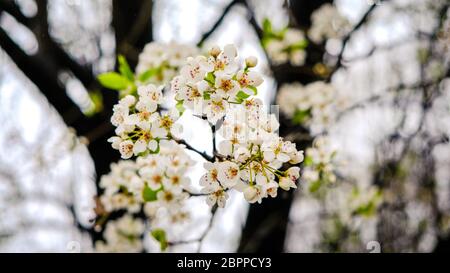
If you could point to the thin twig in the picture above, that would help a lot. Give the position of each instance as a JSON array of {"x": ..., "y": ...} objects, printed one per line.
[
  {"x": 339, "y": 62},
  {"x": 203, "y": 154},
  {"x": 219, "y": 21}
]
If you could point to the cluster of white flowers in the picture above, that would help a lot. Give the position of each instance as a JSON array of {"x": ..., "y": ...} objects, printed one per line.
[
  {"x": 327, "y": 23},
  {"x": 163, "y": 60},
  {"x": 252, "y": 157},
  {"x": 166, "y": 181},
  {"x": 349, "y": 209},
  {"x": 319, "y": 164},
  {"x": 122, "y": 235},
  {"x": 117, "y": 187},
  {"x": 158, "y": 180},
  {"x": 313, "y": 105},
  {"x": 287, "y": 46},
  {"x": 140, "y": 126},
  {"x": 208, "y": 85}
]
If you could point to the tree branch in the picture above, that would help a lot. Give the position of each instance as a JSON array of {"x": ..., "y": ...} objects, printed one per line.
[{"x": 219, "y": 21}]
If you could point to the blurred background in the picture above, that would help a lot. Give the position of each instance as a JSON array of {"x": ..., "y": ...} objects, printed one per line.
[{"x": 391, "y": 70}]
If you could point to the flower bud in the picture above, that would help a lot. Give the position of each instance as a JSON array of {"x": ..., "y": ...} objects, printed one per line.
[
  {"x": 251, "y": 61},
  {"x": 214, "y": 51},
  {"x": 251, "y": 194}
]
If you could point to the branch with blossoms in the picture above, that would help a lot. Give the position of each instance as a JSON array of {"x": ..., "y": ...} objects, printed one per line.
[
  {"x": 153, "y": 177},
  {"x": 312, "y": 108}
]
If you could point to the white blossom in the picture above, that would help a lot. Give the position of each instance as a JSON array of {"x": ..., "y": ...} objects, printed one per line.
[
  {"x": 165, "y": 59},
  {"x": 207, "y": 85},
  {"x": 314, "y": 105},
  {"x": 286, "y": 45},
  {"x": 129, "y": 183},
  {"x": 252, "y": 156},
  {"x": 139, "y": 126},
  {"x": 327, "y": 23},
  {"x": 122, "y": 235}
]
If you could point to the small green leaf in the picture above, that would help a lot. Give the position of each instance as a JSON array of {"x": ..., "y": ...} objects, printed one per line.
[
  {"x": 366, "y": 209},
  {"x": 308, "y": 161},
  {"x": 422, "y": 55},
  {"x": 97, "y": 103},
  {"x": 124, "y": 68},
  {"x": 210, "y": 78},
  {"x": 180, "y": 107},
  {"x": 300, "y": 45},
  {"x": 241, "y": 96},
  {"x": 161, "y": 237},
  {"x": 146, "y": 75},
  {"x": 148, "y": 194},
  {"x": 254, "y": 89},
  {"x": 300, "y": 116},
  {"x": 315, "y": 186},
  {"x": 113, "y": 80},
  {"x": 267, "y": 25},
  {"x": 206, "y": 96}
]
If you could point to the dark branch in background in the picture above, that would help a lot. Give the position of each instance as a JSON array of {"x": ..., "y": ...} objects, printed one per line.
[
  {"x": 44, "y": 75},
  {"x": 346, "y": 39},
  {"x": 219, "y": 21},
  {"x": 12, "y": 9},
  {"x": 132, "y": 21}
]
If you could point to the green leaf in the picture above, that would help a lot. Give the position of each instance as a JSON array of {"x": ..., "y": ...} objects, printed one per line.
[
  {"x": 161, "y": 237},
  {"x": 124, "y": 68},
  {"x": 300, "y": 116},
  {"x": 206, "y": 96},
  {"x": 300, "y": 45},
  {"x": 422, "y": 55},
  {"x": 113, "y": 80},
  {"x": 254, "y": 89},
  {"x": 146, "y": 75},
  {"x": 315, "y": 186},
  {"x": 308, "y": 161},
  {"x": 267, "y": 25},
  {"x": 97, "y": 103},
  {"x": 148, "y": 194},
  {"x": 180, "y": 107},
  {"x": 241, "y": 96},
  {"x": 366, "y": 209},
  {"x": 210, "y": 78}
]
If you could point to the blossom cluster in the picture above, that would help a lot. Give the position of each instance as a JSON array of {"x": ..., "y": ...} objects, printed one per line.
[
  {"x": 208, "y": 85},
  {"x": 122, "y": 235},
  {"x": 349, "y": 209},
  {"x": 285, "y": 45},
  {"x": 139, "y": 125},
  {"x": 158, "y": 180},
  {"x": 252, "y": 158},
  {"x": 160, "y": 62},
  {"x": 252, "y": 155},
  {"x": 312, "y": 105},
  {"x": 319, "y": 164},
  {"x": 345, "y": 207},
  {"x": 327, "y": 23}
]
